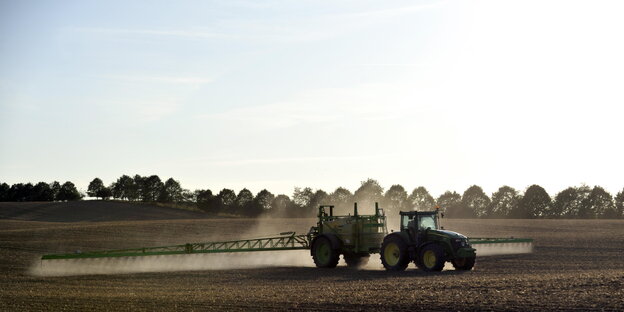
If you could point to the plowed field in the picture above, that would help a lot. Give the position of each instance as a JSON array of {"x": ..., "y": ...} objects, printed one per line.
[{"x": 576, "y": 265}]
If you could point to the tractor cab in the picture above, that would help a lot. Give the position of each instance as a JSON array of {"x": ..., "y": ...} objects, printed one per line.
[{"x": 419, "y": 221}]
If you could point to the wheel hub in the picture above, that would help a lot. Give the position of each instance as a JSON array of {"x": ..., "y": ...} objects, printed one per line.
[
  {"x": 392, "y": 254},
  {"x": 429, "y": 259}
]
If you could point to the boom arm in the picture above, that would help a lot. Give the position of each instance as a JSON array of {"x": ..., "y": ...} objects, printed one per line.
[{"x": 286, "y": 241}]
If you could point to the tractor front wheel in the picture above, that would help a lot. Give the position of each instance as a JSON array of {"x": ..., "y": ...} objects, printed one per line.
[
  {"x": 431, "y": 258},
  {"x": 324, "y": 255},
  {"x": 463, "y": 264},
  {"x": 394, "y": 255},
  {"x": 356, "y": 261}
]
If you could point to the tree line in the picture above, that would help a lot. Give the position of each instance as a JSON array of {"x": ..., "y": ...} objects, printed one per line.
[
  {"x": 506, "y": 202},
  {"x": 41, "y": 191}
]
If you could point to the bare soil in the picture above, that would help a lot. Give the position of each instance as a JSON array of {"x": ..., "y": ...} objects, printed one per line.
[
  {"x": 576, "y": 265},
  {"x": 77, "y": 211}
]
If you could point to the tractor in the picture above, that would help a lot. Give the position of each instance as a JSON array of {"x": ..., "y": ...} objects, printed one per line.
[{"x": 421, "y": 240}]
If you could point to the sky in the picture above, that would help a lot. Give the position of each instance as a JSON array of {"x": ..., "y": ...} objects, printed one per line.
[{"x": 278, "y": 94}]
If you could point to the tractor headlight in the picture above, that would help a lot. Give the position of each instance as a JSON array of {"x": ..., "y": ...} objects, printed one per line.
[
  {"x": 456, "y": 243},
  {"x": 460, "y": 242}
]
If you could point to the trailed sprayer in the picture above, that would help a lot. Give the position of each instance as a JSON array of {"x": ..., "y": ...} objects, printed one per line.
[{"x": 354, "y": 236}]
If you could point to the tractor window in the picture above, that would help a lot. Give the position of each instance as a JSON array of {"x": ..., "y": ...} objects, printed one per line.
[
  {"x": 405, "y": 220},
  {"x": 425, "y": 222}
]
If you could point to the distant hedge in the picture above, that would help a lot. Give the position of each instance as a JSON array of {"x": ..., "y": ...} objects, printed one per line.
[
  {"x": 573, "y": 202},
  {"x": 39, "y": 192}
]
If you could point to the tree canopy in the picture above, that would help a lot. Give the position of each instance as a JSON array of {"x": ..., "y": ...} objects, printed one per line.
[
  {"x": 535, "y": 203},
  {"x": 68, "y": 192},
  {"x": 503, "y": 202},
  {"x": 395, "y": 199},
  {"x": 368, "y": 194},
  {"x": 420, "y": 199},
  {"x": 572, "y": 202},
  {"x": 450, "y": 203},
  {"x": 599, "y": 204},
  {"x": 474, "y": 202},
  {"x": 619, "y": 204}
]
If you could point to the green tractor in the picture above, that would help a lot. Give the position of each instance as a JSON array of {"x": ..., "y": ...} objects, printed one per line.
[
  {"x": 354, "y": 236},
  {"x": 424, "y": 242}
]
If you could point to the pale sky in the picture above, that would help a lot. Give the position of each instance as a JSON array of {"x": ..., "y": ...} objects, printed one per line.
[{"x": 278, "y": 94}]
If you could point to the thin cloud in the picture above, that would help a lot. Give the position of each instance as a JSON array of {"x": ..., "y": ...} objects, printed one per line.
[
  {"x": 163, "y": 79},
  {"x": 366, "y": 102},
  {"x": 157, "y": 111},
  {"x": 392, "y": 65},
  {"x": 307, "y": 160},
  {"x": 319, "y": 27},
  {"x": 288, "y": 114},
  {"x": 386, "y": 13},
  {"x": 189, "y": 34},
  {"x": 288, "y": 29},
  {"x": 146, "y": 109}
]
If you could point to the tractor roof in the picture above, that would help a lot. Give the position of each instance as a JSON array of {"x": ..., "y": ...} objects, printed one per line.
[{"x": 413, "y": 213}]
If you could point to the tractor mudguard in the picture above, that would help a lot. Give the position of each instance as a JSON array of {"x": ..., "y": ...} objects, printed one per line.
[
  {"x": 446, "y": 249},
  {"x": 411, "y": 250},
  {"x": 335, "y": 242},
  {"x": 399, "y": 235}
]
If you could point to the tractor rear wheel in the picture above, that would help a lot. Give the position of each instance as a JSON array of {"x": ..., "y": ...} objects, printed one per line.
[
  {"x": 394, "y": 255},
  {"x": 431, "y": 258},
  {"x": 356, "y": 261},
  {"x": 463, "y": 264},
  {"x": 324, "y": 254}
]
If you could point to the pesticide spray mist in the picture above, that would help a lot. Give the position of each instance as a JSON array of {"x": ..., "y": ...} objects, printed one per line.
[
  {"x": 503, "y": 249},
  {"x": 185, "y": 262},
  {"x": 221, "y": 261},
  {"x": 168, "y": 263}
]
